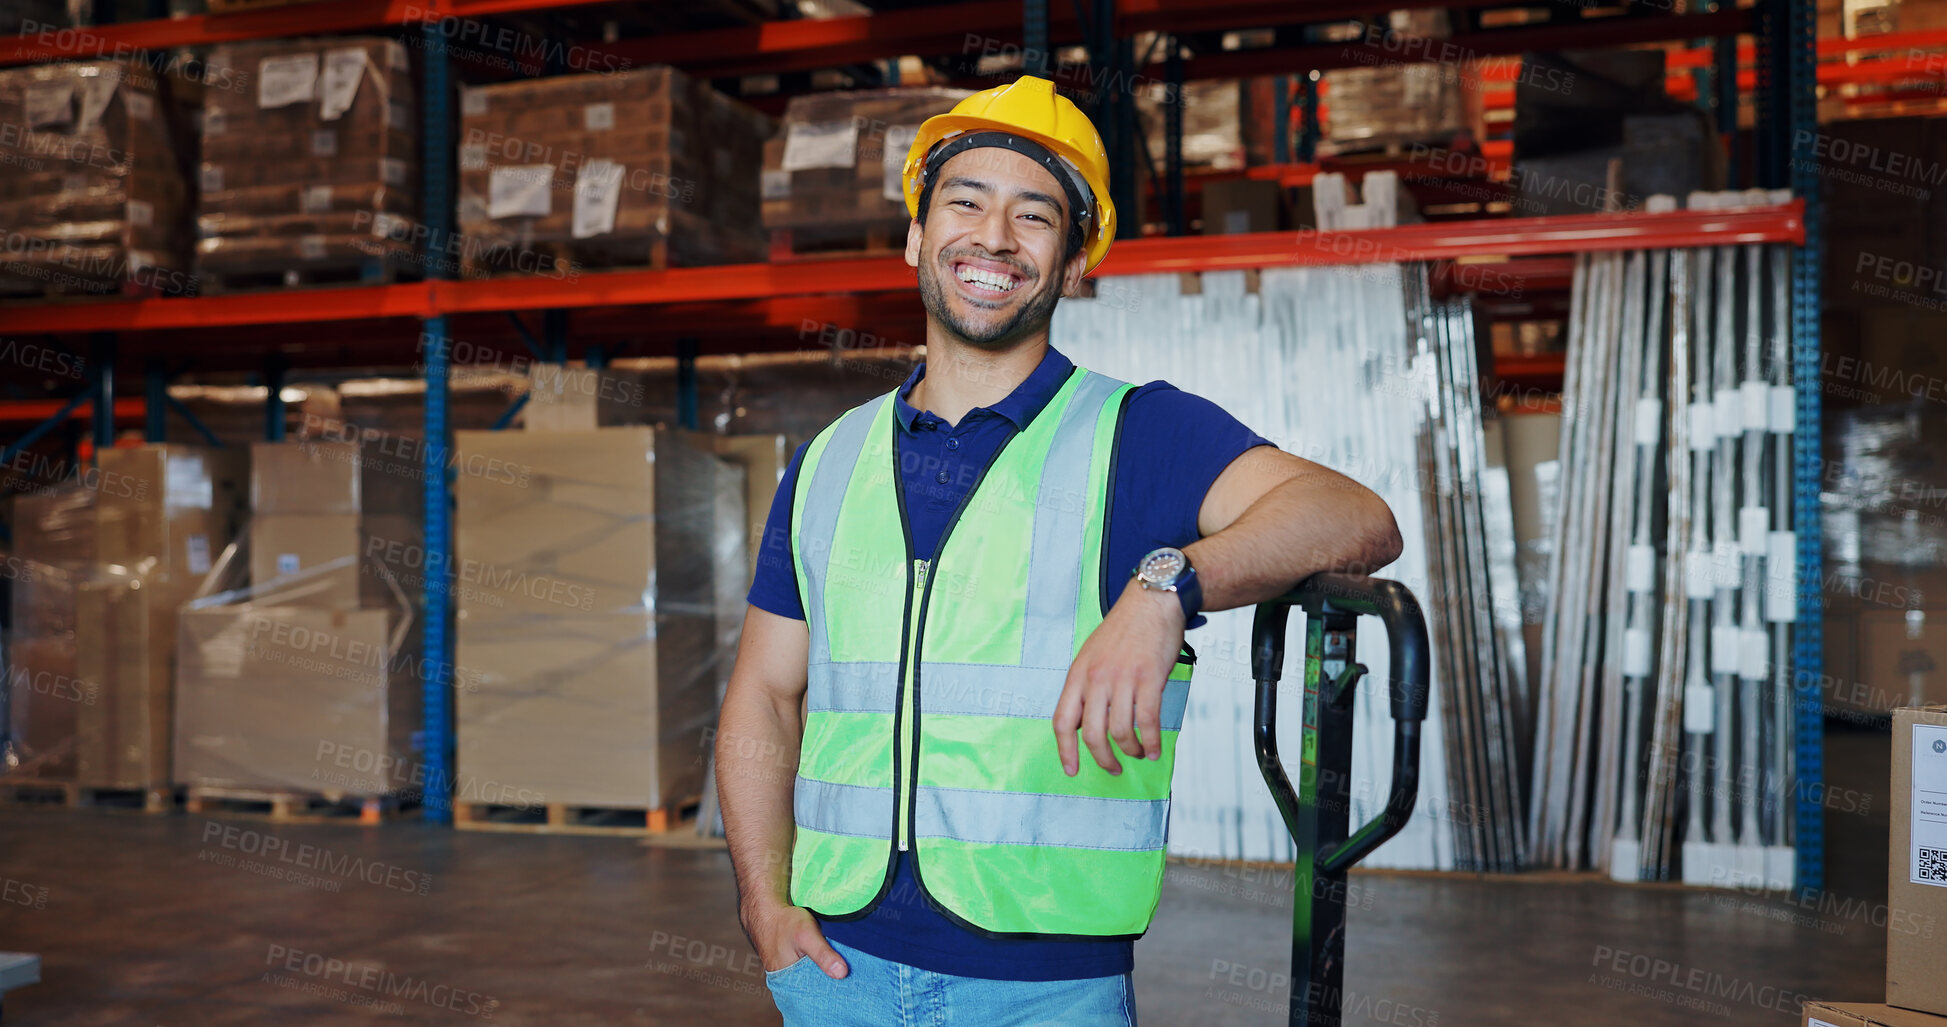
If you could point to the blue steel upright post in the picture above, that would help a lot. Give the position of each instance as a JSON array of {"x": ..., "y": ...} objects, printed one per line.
[
  {"x": 1808, "y": 646},
  {"x": 437, "y": 204}
]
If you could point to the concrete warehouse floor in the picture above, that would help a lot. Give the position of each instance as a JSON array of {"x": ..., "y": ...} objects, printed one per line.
[{"x": 157, "y": 920}]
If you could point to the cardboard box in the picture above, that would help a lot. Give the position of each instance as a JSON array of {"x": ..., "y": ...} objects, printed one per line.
[
  {"x": 122, "y": 729},
  {"x": 270, "y": 697},
  {"x": 91, "y": 189},
  {"x": 1242, "y": 205},
  {"x": 645, "y": 166},
  {"x": 561, "y": 398},
  {"x": 1903, "y": 657},
  {"x": 1917, "y": 874},
  {"x": 287, "y": 552},
  {"x": 310, "y": 155},
  {"x": 1866, "y": 1014},
  {"x": 308, "y": 477},
  {"x": 587, "y": 624},
  {"x": 164, "y": 512},
  {"x": 838, "y": 162}
]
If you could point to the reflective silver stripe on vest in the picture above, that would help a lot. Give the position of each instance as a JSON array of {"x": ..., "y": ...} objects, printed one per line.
[
  {"x": 842, "y": 809},
  {"x": 1055, "y": 572},
  {"x": 1035, "y": 818},
  {"x": 818, "y": 520},
  {"x": 981, "y": 690},
  {"x": 852, "y": 687}
]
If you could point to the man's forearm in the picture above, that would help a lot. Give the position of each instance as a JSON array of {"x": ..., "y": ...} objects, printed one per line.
[
  {"x": 757, "y": 760},
  {"x": 1307, "y": 525}
]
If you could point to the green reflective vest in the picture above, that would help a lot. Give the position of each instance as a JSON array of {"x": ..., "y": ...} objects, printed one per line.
[{"x": 932, "y": 685}]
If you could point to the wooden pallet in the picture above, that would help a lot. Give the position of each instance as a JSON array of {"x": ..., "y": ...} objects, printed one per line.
[
  {"x": 294, "y": 807},
  {"x": 364, "y": 271},
  {"x": 862, "y": 240},
  {"x": 159, "y": 799},
  {"x": 564, "y": 818}
]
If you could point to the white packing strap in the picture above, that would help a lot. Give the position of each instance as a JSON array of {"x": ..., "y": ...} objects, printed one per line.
[
  {"x": 1781, "y": 578},
  {"x": 1636, "y": 652},
  {"x": 1724, "y": 642},
  {"x": 1756, "y": 403},
  {"x": 1699, "y": 709},
  {"x": 1730, "y": 412},
  {"x": 1754, "y": 654},
  {"x": 1699, "y": 579},
  {"x": 1649, "y": 421},
  {"x": 1753, "y": 530},
  {"x": 1783, "y": 416},
  {"x": 1703, "y": 426},
  {"x": 1639, "y": 571}
]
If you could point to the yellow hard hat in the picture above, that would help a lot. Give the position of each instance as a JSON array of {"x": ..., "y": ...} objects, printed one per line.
[{"x": 1030, "y": 109}]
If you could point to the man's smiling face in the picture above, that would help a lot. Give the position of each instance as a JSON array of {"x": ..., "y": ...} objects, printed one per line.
[{"x": 993, "y": 254}]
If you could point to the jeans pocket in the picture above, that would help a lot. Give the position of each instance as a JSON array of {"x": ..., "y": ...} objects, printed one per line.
[{"x": 772, "y": 977}]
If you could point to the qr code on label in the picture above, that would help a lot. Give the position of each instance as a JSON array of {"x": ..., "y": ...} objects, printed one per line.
[{"x": 1932, "y": 865}]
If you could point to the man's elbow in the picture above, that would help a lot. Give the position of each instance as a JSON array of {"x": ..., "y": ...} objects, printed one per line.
[{"x": 1383, "y": 542}]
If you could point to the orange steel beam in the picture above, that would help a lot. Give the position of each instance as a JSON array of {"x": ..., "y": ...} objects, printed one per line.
[
  {"x": 262, "y": 308},
  {"x": 163, "y": 33},
  {"x": 34, "y": 411}
]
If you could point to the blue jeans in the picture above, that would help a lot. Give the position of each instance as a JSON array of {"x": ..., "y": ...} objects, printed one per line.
[{"x": 880, "y": 992}]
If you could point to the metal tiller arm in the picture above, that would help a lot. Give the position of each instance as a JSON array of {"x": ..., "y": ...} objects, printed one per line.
[{"x": 1318, "y": 812}]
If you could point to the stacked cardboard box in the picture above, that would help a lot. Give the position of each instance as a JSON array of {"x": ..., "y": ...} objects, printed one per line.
[
  {"x": 91, "y": 188},
  {"x": 1395, "y": 104},
  {"x": 832, "y": 178},
  {"x": 586, "y": 567},
  {"x": 309, "y": 684},
  {"x": 54, "y": 551},
  {"x": 313, "y": 172},
  {"x": 304, "y": 503},
  {"x": 106, "y": 565},
  {"x": 1916, "y": 894},
  {"x": 582, "y": 171}
]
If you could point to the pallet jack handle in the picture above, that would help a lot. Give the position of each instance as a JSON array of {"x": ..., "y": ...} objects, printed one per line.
[{"x": 1317, "y": 812}]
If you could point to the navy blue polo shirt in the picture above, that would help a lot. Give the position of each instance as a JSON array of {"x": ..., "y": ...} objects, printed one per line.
[{"x": 1174, "y": 445}]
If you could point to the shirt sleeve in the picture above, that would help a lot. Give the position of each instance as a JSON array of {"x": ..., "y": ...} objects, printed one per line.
[
  {"x": 1174, "y": 445},
  {"x": 774, "y": 581}
]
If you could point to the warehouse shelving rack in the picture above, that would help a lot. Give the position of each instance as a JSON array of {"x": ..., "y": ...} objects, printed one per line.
[{"x": 732, "y": 299}]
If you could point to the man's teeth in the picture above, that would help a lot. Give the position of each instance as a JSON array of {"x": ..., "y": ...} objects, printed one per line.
[{"x": 991, "y": 279}]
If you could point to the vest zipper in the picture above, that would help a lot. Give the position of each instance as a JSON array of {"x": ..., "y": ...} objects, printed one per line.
[{"x": 905, "y": 795}]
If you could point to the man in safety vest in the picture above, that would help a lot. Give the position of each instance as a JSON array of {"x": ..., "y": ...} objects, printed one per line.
[{"x": 964, "y": 584}]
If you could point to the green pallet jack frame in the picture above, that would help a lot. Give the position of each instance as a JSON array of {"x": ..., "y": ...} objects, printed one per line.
[{"x": 1318, "y": 811}]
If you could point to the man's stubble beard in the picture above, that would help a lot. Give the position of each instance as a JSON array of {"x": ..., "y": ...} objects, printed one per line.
[{"x": 1035, "y": 314}]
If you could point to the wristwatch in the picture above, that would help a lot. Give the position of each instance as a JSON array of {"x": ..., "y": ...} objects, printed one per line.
[{"x": 1168, "y": 570}]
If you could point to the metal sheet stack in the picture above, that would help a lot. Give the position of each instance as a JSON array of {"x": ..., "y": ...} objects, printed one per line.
[
  {"x": 1332, "y": 365},
  {"x": 1471, "y": 561},
  {"x": 1665, "y": 698}
]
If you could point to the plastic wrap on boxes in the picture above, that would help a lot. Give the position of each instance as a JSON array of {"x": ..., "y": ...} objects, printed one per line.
[
  {"x": 836, "y": 165},
  {"x": 1885, "y": 493},
  {"x": 105, "y": 567},
  {"x": 273, "y": 696},
  {"x": 587, "y": 620},
  {"x": 1372, "y": 108},
  {"x": 54, "y": 550},
  {"x": 643, "y": 167},
  {"x": 316, "y": 165},
  {"x": 91, "y": 190}
]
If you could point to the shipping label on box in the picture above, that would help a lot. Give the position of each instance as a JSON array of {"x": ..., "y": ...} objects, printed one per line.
[
  {"x": 1917, "y": 871},
  {"x": 1928, "y": 806}
]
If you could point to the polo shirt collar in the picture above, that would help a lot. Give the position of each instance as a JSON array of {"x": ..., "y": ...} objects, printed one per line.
[{"x": 1019, "y": 406}]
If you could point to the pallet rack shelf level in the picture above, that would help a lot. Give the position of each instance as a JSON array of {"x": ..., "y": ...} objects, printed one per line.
[{"x": 842, "y": 277}]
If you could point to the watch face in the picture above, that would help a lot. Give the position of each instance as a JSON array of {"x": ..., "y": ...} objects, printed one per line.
[{"x": 1162, "y": 567}]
